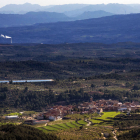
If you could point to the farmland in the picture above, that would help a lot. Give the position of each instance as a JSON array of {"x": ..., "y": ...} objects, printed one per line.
[{"x": 78, "y": 129}]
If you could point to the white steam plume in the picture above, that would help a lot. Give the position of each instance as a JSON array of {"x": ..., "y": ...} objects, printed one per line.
[
  {"x": 8, "y": 37},
  {"x": 2, "y": 35},
  {"x": 5, "y": 36}
]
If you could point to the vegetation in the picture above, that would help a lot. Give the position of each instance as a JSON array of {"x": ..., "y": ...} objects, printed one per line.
[
  {"x": 127, "y": 126},
  {"x": 108, "y": 115},
  {"x": 77, "y": 79},
  {"x": 126, "y": 121},
  {"x": 22, "y": 132},
  {"x": 107, "y": 30},
  {"x": 12, "y": 114},
  {"x": 131, "y": 135}
]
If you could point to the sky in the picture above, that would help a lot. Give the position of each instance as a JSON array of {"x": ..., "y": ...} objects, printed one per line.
[{"x": 60, "y": 2}]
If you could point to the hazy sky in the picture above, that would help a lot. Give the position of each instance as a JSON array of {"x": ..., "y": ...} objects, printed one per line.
[{"x": 59, "y": 2}]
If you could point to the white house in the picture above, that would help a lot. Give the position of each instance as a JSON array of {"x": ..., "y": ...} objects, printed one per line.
[{"x": 53, "y": 118}]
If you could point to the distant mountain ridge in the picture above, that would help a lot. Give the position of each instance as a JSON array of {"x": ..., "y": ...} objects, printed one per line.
[
  {"x": 27, "y": 7},
  {"x": 16, "y": 9},
  {"x": 31, "y": 18},
  {"x": 71, "y": 9},
  {"x": 111, "y": 29},
  {"x": 9, "y": 20},
  {"x": 111, "y": 8},
  {"x": 94, "y": 14}
]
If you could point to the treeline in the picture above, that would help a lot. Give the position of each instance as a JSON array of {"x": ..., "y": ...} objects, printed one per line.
[
  {"x": 36, "y": 100},
  {"x": 130, "y": 135},
  {"x": 62, "y": 69},
  {"x": 24, "y": 132},
  {"x": 115, "y": 53},
  {"x": 130, "y": 123},
  {"x": 108, "y": 76},
  {"x": 124, "y": 122}
]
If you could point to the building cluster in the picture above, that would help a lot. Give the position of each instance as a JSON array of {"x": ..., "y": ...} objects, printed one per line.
[{"x": 58, "y": 112}]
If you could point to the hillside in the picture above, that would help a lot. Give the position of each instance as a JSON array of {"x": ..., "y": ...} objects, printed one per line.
[
  {"x": 9, "y": 20},
  {"x": 112, "y": 8},
  {"x": 93, "y": 14},
  {"x": 22, "y": 132},
  {"x": 31, "y": 18},
  {"x": 111, "y": 29}
]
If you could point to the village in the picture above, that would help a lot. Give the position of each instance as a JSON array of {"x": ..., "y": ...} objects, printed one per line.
[{"x": 59, "y": 112}]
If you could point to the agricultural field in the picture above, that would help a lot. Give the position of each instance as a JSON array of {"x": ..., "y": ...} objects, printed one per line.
[
  {"x": 86, "y": 133},
  {"x": 63, "y": 126},
  {"x": 12, "y": 114},
  {"x": 108, "y": 115},
  {"x": 79, "y": 129}
]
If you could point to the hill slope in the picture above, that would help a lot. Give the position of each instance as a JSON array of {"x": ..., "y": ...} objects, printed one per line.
[
  {"x": 31, "y": 18},
  {"x": 9, "y": 20},
  {"x": 111, "y": 8},
  {"x": 23, "y": 132},
  {"x": 93, "y": 14},
  {"x": 118, "y": 28}
]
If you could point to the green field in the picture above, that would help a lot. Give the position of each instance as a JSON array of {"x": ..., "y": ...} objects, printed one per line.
[
  {"x": 69, "y": 124},
  {"x": 108, "y": 115},
  {"x": 78, "y": 125},
  {"x": 62, "y": 126},
  {"x": 95, "y": 121},
  {"x": 105, "y": 119},
  {"x": 50, "y": 128},
  {"x": 13, "y": 114},
  {"x": 8, "y": 123},
  {"x": 81, "y": 122}
]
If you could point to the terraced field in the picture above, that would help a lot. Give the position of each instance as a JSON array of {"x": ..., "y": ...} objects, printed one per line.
[
  {"x": 76, "y": 124},
  {"x": 105, "y": 119},
  {"x": 96, "y": 121},
  {"x": 108, "y": 115},
  {"x": 62, "y": 126},
  {"x": 81, "y": 122}
]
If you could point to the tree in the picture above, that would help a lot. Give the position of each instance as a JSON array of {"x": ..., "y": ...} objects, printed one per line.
[
  {"x": 26, "y": 89},
  {"x": 92, "y": 86}
]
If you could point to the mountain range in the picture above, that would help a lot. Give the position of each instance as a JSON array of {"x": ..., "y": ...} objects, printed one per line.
[
  {"x": 27, "y": 7},
  {"x": 110, "y": 29},
  {"x": 31, "y": 18},
  {"x": 93, "y": 14},
  {"x": 71, "y": 9},
  {"x": 8, "y": 20},
  {"x": 29, "y": 14},
  {"x": 111, "y": 8}
]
